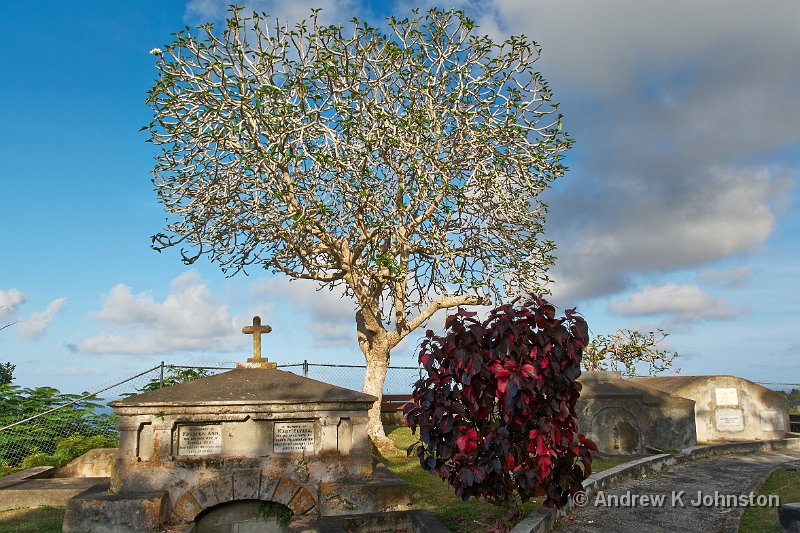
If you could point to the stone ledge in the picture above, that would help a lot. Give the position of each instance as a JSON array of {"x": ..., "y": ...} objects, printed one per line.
[
  {"x": 542, "y": 519},
  {"x": 415, "y": 520},
  {"x": 97, "y": 511},
  {"x": 708, "y": 450},
  {"x": 384, "y": 491},
  {"x": 49, "y": 491},
  {"x": 37, "y": 472}
]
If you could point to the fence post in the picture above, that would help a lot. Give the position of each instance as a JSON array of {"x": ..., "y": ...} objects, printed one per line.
[
  {"x": 305, "y": 367},
  {"x": 161, "y": 379}
]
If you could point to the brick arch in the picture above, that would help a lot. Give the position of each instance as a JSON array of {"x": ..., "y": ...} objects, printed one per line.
[{"x": 242, "y": 485}]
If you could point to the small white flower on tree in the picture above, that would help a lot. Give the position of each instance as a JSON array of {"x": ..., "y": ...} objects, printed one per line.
[
  {"x": 404, "y": 168},
  {"x": 156, "y": 51}
]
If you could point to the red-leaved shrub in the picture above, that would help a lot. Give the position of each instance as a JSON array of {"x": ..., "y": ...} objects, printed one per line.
[{"x": 496, "y": 412}]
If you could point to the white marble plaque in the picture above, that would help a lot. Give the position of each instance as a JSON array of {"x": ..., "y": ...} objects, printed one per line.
[
  {"x": 772, "y": 421},
  {"x": 729, "y": 420},
  {"x": 292, "y": 437},
  {"x": 200, "y": 440},
  {"x": 727, "y": 396}
]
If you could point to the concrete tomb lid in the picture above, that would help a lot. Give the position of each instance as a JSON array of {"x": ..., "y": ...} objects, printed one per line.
[
  {"x": 611, "y": 384},
  {"x": 680, "y": 385},
  {"x": 247, "y": 386}
]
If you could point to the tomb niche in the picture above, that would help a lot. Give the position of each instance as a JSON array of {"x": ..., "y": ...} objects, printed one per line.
[{"x": 277, "y": 445}]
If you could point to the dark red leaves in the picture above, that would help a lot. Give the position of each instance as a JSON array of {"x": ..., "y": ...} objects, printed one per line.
[
  {"x": 467, "y": 440},
  {"x": 496, "y": 411}
]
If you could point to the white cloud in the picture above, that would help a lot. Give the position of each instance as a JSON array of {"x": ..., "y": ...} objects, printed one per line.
[
  {"x": 331, "y": 318},
  {"x": 676, "y": 136},
  {"x": 35, "y": 326},
  {"x": 10, "y": 301},
  {"x": 188, "y": 319},
  {"x": 669, "y": 227},
  {"x": 683, "y": 303}
]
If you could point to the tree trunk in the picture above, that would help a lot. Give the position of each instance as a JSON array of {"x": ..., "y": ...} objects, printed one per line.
[
  {"x": 512, "y": 508},
  {"x": 377, "y": 366},
  {"x": 373, "y": 343}
]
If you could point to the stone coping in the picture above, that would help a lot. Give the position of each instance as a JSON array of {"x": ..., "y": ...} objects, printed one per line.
[
  {"x": 542, "y": 519},
  {"x": 416, "y": 520},
  {"x": 37, "y": 472},
  {"x": 33, "y": 492}
]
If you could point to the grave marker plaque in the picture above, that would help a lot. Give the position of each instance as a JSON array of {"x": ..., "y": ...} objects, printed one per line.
[
  {"x": 729, "y": 420},
  {"x": 727, "y": 396},
  {"x": 200, "y": 440},
  {"x": 292, "y": 437}
]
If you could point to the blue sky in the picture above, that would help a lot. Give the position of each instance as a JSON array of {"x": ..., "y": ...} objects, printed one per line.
[{"x": 679, "y": 211}]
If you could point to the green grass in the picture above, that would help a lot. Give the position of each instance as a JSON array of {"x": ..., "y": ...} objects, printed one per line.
[
  {"x": 784, "y": 483},
  {"x": 437, "y": 496},
  {"x": 598, "y": 465},
  {"x": 43, "y": 519}
]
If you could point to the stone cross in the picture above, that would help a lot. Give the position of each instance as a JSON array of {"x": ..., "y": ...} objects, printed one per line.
[{"x": 256, "y": 330}]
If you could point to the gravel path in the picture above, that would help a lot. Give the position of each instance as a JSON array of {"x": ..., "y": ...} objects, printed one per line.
[{"x": 666, "y": 502}]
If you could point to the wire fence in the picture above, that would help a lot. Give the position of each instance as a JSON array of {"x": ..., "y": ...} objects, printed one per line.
[
  {"x": 791, "y": 390},
  {"x": 42, "y": 426}
]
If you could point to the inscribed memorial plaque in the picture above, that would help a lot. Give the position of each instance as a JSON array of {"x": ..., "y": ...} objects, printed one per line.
[
  {"x": 200, "y": 440},
  {"x": 729, "y": 420},
  {"x": 727, "y": 396},
  {"x": 293, "y": 437}
]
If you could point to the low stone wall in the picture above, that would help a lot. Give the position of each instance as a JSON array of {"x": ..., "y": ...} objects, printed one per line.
[{"x": 94, "y": 463}]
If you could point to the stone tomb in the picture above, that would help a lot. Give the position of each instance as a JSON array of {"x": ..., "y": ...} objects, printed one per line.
[
  {"x": 250, "y": 435},
  {"x": 728, "y": 408},
  {"x": 624, "y": 417}
]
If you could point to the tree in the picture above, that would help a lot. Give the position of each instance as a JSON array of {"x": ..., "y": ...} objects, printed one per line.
[
  {"x": 629, "y": 348},
  {"x": 402, "y": 167},
  {"x": 6, "y": 373},
  {"x": 6, "y": 369},
  {"x": 496, "y": 411},
  {"x": 174, "y": 376}
]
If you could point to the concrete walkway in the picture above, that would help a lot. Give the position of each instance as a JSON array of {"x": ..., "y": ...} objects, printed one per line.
[{"x": 666, "y": 502}]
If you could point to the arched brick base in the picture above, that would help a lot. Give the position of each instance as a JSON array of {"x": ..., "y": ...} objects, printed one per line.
[{"x": 243, "y": 485}]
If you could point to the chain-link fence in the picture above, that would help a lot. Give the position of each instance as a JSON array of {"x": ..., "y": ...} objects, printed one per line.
[
  {"x": 43, "y": 426},
  {"x": 399, "y": 379},
  {"x": 791, "y": 390}
]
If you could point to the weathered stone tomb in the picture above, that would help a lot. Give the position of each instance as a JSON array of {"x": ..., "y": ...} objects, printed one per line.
[
  {"x": 624, "y": 417},
  {"x": 254, "y": 435},
  {"x": 728, "y": 408}
]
